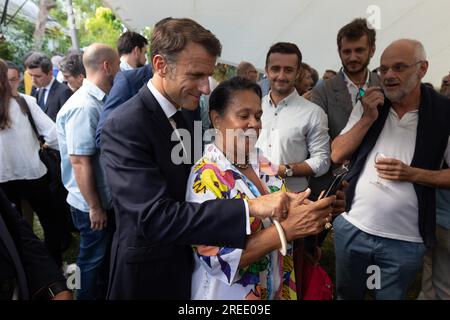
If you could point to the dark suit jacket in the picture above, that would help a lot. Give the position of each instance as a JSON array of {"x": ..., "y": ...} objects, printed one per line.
[
  {"x": 151, "y": 253},
  {"x": 333, "y": 97},
  {"x": 25, "y": 254},
  {"x": 58, "y": 95},
  {"x": 126, "y": 84}
]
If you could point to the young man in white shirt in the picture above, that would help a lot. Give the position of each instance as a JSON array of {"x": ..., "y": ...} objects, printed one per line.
[{"x": 295, "y": 131}]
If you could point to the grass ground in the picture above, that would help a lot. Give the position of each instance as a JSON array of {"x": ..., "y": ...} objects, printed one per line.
[
  {"x": 70, "y": 256},
  {"x": 327, "y": 262}
]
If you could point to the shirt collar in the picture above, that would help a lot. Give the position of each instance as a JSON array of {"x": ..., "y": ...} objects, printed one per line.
[
  {"x": 167, "y": 106},
  {"x": 124, "y": 65},
  {"x": 350, "y": 83},
  {"x": 93, "y": 90},
  {"x": 284, "y": 102}
]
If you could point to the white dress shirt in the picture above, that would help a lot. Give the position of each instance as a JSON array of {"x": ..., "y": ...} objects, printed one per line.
[
  {"x": 19, "y": 158},
  {"x": 295, "y": 131},
  {"x": 353, "y": 89}
]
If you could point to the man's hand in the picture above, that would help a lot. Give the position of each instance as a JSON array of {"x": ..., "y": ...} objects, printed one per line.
[
  {"x": 275, "y": 205},
  {"x": 395, "y": 170},
  {"x": 373, "y": 98},
  {"x": 308, "y": 218},
  {"x": 63, "y": 295},
  {"x": 98, "y": 218}
]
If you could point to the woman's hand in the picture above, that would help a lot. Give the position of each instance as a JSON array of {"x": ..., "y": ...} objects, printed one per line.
[{"x": 308, "y": 218}]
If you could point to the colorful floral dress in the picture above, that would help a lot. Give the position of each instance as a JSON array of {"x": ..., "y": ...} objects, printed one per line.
[{"x": 217, "y": 274}]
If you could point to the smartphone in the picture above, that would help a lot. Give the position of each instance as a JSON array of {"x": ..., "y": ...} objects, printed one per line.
[{"x": 338, "y": 176}]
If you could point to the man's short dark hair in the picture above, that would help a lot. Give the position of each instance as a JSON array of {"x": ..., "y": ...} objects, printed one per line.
[
  {"x": 73, "y": 64},
  {"x": 355, "y": 30},
  {"x": 331, "y": 71},
  {"x": 285, "y": 48},
  {"x": 39, "y": 60},
  {"x": 172, "y": 35},
  {"x": 129, "y": 40}
]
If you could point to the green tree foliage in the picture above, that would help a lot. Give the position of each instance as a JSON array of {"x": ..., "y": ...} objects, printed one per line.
[
  {"x": 103, "y": 27},
  {"x": 19, "y": 40}
]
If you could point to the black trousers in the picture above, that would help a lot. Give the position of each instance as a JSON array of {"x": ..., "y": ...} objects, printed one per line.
[{"x": 37, "y": 193}]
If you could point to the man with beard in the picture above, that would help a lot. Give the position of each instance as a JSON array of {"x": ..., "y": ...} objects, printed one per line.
[
  {"x": 338, "y": 96},
  {"x": 132, "y": 49},
  {"x": 397, "y": 142},
  {"x": 82, "y": 174},
  {"x": 295, "y": 132}
]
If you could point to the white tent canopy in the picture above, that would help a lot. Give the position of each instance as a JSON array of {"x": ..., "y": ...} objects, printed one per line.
[{"x": 247, "y": 28}]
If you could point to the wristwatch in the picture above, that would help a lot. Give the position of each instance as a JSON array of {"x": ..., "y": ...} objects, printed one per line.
[
  {"x": 49, "y": 292},
  {"x": 288, "y": 172}
]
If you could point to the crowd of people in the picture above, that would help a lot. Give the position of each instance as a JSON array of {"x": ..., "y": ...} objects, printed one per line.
[{"x": 182, "y": 188}]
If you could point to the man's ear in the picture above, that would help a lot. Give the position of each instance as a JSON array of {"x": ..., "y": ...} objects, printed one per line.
[
  {"x": 106, "y": 67},
  {"x": 423, "y": 69},
  {"x": 136, "y": 51},
  {"x": 372, "y": 51},
  {"x": 159, "y": 65}
]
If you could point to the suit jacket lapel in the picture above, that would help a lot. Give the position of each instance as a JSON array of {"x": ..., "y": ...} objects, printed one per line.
[
  {"x": 159, "y": 118},
  {"x": 50, "y": 95},
  {"x": 342, "y": 96}
]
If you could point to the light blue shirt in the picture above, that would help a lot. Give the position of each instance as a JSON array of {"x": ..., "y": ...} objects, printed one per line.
[
  {"x": 76, "y": 124},
  {"x": 443, "y": 208}
]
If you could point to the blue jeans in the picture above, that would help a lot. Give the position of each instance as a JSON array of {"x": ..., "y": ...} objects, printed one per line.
[
  {"x": 398, "y": 262},
  {"x": 93, "y": 258}
]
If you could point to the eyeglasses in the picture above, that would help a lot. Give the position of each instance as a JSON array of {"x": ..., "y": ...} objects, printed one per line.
[{"x": 397, "y": 68}]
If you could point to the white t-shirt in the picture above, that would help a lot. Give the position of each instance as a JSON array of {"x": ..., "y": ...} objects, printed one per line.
[{"x": 391, "y": 210}]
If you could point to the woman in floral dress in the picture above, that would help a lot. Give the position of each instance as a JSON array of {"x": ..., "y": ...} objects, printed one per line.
[{"x": 232, "y": 169}]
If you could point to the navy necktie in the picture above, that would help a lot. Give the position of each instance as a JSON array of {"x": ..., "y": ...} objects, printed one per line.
[
  {"x": 41, "y": 100},
  {"x": 179, "y": 121}
]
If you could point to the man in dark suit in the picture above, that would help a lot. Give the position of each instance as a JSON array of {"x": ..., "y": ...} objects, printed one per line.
[
  {"x": 151, "y": 252},
  {"x": 49, "y": 93},
  {"x": 25, "y": 262}
]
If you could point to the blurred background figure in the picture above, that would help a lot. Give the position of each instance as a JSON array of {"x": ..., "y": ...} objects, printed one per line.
[
  {"x": 445, "y": 87},
  {"x": 73, "y": 70},
  {"x": 305, "y": 82},
  {"x": 132, "y": 49},
  {"x": 328, "y": 74},
  {"x": 56, "y": 72},
  {"x": 247, "y": 71}
]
